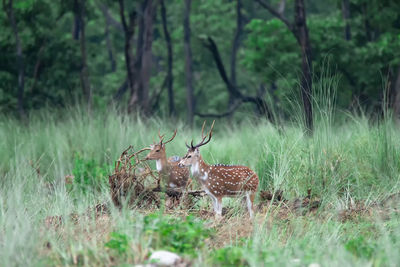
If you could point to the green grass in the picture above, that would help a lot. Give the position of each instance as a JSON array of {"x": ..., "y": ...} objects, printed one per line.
[{"x": 352, "y": 162}]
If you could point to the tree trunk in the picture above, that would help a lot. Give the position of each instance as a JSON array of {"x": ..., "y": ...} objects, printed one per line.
[
  {"x": 77, "y": 22},
  {"x": 134, "y": 99},
  {"x": 107, "y": 18},
  {"x": 129, "y": 27},
  {"x": 301, "y": 31},
  {"x": 396, "y": 91},
  {"x": 113, "y": 63},
  {"x": 188, "y": 63},
  {"x": 171, "y": 102},
  {"x": 8, "y": 7},
  {"x": 235, "y": 48},
  {"x": 145, "y": 70},
  {"x": 87, "y": 91},
  {"x": 368, "y": 30},
  {"x": 346, "y": 18}
]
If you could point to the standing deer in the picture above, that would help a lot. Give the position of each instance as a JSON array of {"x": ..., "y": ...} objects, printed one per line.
[
  {"x": 174, "y": 175},
  {"x": 219, "y": 180}
]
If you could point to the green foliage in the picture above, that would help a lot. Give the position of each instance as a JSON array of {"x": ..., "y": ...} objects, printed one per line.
[
  {"x": 269, "y": 53},
  {"x": 229, "y": 256},
  {"x": 89, "y": 174},
  {"x": 118, "y": 242},
  {"x": 360, "y": 247},
  {"x": 273, "y": 53},
  {"x": 175, "y": 234}
]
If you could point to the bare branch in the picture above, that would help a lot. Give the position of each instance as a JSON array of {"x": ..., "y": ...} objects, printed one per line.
[
  {"x": 277, "y": 14},
  {"x": 210, "y": 44},
  {"x": 176, "y": 193},
  {"x": 111, "y": 20},
  {"x": 233, "y": 90},
  {"x": 221, "y": 115}
]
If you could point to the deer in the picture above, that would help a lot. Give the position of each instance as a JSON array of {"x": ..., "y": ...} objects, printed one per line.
[
  {"x": 220, "y": 180},
  {"x": 176, "y": 177}
]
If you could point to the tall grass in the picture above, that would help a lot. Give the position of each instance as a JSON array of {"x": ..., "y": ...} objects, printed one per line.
[{"x": 343, "y": 163}]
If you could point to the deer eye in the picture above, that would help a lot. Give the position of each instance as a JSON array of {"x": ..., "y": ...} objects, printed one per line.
[
  {"x": 158, "y": 150},
  {"x": 189, "y": 157}
]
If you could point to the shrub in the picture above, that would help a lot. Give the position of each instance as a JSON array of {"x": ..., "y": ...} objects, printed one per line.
[
  {"x": 118, "y": 242},
  {"x": 176, "y": 234},
  {"x": 88, "y": 173},
  {"x": 229, "y": 256},
  {"x": 360, "y": 248}
]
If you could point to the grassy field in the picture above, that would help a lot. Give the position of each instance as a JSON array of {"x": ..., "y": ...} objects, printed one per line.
[{"x": 351, "y": 168}]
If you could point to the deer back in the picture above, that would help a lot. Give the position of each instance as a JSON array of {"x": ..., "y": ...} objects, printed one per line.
[
  {"x": 177, "y": 176},
  {"x": 221, "y": 180}
]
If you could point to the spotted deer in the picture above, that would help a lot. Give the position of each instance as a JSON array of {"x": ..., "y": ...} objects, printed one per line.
[
  {"x": 219, "y": 180},
  {"x": 174, "y": 175}
]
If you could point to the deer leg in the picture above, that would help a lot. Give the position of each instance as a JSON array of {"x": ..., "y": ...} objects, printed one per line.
[
  {"x": 213, "y": 199},
  {"x": 219, "y": 206},
  {"x": 215, "y": 204},
  {"x": 250, "y": 200}
]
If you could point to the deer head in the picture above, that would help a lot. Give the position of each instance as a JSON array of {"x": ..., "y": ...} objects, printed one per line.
[
  {"x": 193, "y": 154},
  {"x": 157, "y": 150}
]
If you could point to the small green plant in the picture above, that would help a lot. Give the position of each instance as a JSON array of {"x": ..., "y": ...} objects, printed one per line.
[
  {"x": 89, "y": 173},
  {"x": 229, "y": 256},
  {"x": 176, "y": 234},
  {"x": 118, "y": 242},
  {"x": 360, "y": 248}
]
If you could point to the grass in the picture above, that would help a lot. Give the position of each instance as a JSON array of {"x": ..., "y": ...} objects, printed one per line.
[{"x": 352, "y": 167}]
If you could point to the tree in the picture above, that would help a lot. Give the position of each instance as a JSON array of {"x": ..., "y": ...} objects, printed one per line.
[
  {"x": 146, "y": 58},
  {"x": 235, "y": 47},
  {"x": 170, "y": 77},
  {"x": 396, "y": 92},
  {"x": 300, "y": 31},
  {"x": 346, "y": 18},
  {"x": 188, "y": 63},
  {"x": 79, "y": 10},
  {"x": 8, "y": 7},
  {"x": 108, "y": 22},
  {"x": 129, "y": 30}
]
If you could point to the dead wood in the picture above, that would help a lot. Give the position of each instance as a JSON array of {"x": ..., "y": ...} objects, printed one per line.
[
  {"x": 127, "y": 183},
  {"x": 178, "y": 193}
]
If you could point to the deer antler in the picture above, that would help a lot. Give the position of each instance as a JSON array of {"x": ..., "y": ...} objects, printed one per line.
[
  {"x": 160, "y": 136},
  {"x": 172, "y": 138},
  {"x": 203, "y": 137}
]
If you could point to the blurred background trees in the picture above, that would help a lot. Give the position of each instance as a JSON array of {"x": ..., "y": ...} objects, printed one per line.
[{"x": 206, "y": 58}]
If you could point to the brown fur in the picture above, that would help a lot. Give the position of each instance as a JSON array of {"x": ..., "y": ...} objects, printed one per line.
[{"x": 170, "y": 172}]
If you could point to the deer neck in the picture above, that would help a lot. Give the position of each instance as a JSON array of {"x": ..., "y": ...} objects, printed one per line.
[
  {"x": 200, "y": 169},
  {"x": 161, "y": 163}
]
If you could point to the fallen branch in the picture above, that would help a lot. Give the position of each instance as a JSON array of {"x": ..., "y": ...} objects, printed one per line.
[{"x": 177, "y": 193}]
